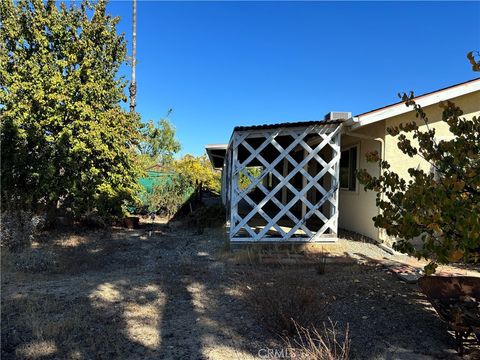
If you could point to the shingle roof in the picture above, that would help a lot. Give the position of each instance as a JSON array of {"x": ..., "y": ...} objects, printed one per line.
[{"x": 288, "y": 124}]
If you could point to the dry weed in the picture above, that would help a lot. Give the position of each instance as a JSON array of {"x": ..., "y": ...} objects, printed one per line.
[
  {"x": 38, "y": 326},
  {"x": 282, "y": 299},
  {"x": 311, "y": 344}
]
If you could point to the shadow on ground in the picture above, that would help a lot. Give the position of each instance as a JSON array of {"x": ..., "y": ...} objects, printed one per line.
[
  {"x": 163, "y": 292},
  {"x": 147, "y": 293}
]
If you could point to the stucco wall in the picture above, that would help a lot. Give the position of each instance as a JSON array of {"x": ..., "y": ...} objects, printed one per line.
[
  {"x": 356, "y": 209},
  {"x": 470, "y": 104}
]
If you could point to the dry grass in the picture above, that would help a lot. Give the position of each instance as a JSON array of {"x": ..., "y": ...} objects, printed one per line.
[
  {"x": 322, "y": 261},
  {"x": 135, "y": 295},
  {"x": 36, "y": 349},
  {"x": 35, "y": 326},
  {"x": 266, "y": 253},
  {"x": 283, "y": 300},
  {"x": 72, "y": 254},
  {"x": 50, "y": 314},
  {"x": 248, "y": 255},
  {"x": 312, "y": 344},
  {"x": 286, "y": 254}
]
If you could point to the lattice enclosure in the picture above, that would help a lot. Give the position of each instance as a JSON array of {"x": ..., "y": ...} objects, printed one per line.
[{"x": 282, "y": 183}]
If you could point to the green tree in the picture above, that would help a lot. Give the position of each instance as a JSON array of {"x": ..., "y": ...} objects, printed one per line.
[
  {"x": 244, "y": 181},
  {"x": 66, "y": 141},
  {"x": 158, "y": 144},
  {"x": 187, "y": 174},
  {"x": 198, "y": 170},
  {"x": 441, "y": 207}
]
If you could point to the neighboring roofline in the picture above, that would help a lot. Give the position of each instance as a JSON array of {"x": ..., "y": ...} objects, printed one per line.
[
  {"x": 215, "y": 147},
  {"x": 423, "y": 100}
]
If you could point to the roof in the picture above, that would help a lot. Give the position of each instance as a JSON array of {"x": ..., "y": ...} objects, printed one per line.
[
  {"x": 426, "y": 99},
  {"x": 216, "y": 147},
  {"x": 216, "y": 154},
  {"x": 288, "y": 125}
]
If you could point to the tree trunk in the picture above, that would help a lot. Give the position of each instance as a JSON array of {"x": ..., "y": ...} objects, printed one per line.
[{"x": 133, "y": 84}]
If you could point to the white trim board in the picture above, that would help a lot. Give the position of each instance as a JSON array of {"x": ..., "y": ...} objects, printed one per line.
[{"x": 422, "y": 100}]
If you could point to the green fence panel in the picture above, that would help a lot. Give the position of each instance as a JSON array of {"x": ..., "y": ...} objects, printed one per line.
[{"x": 155, "y": 178}]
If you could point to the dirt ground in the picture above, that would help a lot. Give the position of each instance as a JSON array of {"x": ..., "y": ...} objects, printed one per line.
[{"x": 166, "y": 292}]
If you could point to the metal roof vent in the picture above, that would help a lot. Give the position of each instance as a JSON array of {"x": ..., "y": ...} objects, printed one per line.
[{"x": 337, "y": 115}]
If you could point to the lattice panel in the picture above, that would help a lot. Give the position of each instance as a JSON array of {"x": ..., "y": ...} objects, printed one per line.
[{"x": 323, "y": 136}]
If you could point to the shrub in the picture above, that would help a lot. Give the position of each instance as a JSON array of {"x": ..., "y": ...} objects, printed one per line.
[
  {"x": 439, "y": 201},
  {"x": 189, "y": 174},
  {"x": 284, "y": 302},
  {"x": 312, "y": 344},
  {"x": 18, "y": 228},
  {"x": 93, "y": 220},
  {"x": 167, "y": 198},
  {"x": 198, "y": 170},
  {"x": 66, "y": 139}
]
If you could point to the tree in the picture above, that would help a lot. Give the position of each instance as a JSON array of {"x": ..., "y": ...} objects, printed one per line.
[
  {"x": 158, "y": 144},
  {"x": 186, "y": 175},
  {"x": 244, "y": 181},
  {"x": 67, "y": 144},
  {"x": 441, "y": 207},
  {"x": 196, "y": 170}
]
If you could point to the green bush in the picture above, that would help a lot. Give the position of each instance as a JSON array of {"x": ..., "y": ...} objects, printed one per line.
[
  {"x": 67, "y": 143},
  {"x": 186, "y": 175},
  {"x": 167, "y": 198}
]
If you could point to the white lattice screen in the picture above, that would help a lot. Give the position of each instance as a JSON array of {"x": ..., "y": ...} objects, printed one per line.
[{"x": 304, "y": 165}]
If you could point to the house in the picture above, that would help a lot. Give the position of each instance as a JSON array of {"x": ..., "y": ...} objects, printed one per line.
[{"x": 295, "y": 182}]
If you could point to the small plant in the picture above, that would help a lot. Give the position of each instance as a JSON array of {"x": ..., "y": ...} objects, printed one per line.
[{"x": 312, "y": 344}]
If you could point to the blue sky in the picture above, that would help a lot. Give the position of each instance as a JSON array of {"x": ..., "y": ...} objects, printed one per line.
[{"x": 222, "y": 64}]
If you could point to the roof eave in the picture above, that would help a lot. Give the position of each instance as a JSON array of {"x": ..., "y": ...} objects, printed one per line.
[{"x": 422, "y": 100}]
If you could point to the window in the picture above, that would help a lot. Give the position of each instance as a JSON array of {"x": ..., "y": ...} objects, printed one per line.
[{"x": 348, "y": 169}]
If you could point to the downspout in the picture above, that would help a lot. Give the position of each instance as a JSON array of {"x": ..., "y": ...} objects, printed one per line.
[{"x": 349, "y": 123}]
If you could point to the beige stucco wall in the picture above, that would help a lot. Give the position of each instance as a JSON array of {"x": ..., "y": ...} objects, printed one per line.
[
  {"x": 470, "y": 104},
  {"x": 356, "y": 209}
]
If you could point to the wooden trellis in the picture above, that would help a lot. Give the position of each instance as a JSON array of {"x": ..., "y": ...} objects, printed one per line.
[{"x": 292, "y": 152}]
